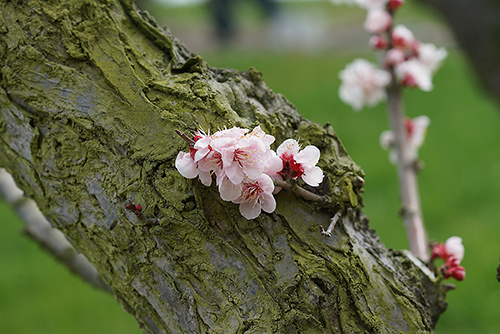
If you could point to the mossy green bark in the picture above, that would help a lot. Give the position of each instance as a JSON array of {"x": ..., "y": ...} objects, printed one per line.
[{"x": 91, "y": 92}]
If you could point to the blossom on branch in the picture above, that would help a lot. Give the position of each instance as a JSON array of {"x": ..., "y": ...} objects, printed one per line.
[
  {"x": 300, "y": 164},
  {"x": 402, "y": 36},
  {"x": 452, "y": 252},
  {"x": 255, "y": 196},
  {"x": 243, "y": 162},
  {"x": 363, "y": 84},
  {"x": 413, "y": 73},
  {"x": 429, "y": 55},
  {"x": 377, "y": 21},
  {"x": 416, "y": 130}
]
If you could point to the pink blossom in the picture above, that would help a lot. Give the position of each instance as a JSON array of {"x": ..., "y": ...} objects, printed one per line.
[
  {"x": 186, "y": 166},
  {"x": 416, "y": 130},
  {"x": 228, "y": 190},
  {"x": 413, "y": 73},
  {"x": 255, "y": 196},
  {"x": 247, "y": 158},
  {"x": 363, "y": 84},
  {"x": 377, "y": 21},
  {"x": 402, "y": 36},
  {"x": 300, "y": 163}
]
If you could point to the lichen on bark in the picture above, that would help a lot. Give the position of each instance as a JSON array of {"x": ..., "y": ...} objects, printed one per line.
[{"x": 91, "y": 92}]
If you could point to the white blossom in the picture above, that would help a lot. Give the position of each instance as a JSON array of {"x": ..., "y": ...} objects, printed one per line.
[
  {"x": 300, "y": 163},
  {"x": 454, "y": 247},
  {"x": 416, "y": 130},
  {"x": 377, "y": 21},
  {"x": 430, "y": 55},
  {"x": 402, "y": 36},
  {"x": 363, "y": 84},
  {"x": 413, "y": 73}
]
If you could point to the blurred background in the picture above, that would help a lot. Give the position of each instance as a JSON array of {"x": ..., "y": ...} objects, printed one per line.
[{"x": 300, "y": 46}]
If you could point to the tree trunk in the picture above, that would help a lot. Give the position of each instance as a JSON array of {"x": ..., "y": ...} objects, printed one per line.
[
  {"x": 91, "y": 92},
  {"x": 476, "y": 25}
]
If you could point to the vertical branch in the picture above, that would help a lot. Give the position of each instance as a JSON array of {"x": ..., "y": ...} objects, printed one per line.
[{"x": 408, "y": 187}]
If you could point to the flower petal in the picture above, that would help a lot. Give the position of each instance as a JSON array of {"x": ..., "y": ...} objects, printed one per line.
[
  {"x": 228, "y": 190},
  {"x": 205, "y": 178},
  {"x": 186, "y": 165},
  {"x": 455, "y": 248},
  {"x": 250, "y": 210},
  {"x": 308, "y": 156},
  {"x": 313, "y": 176},
  {"x": 289, "y": 147},
  {"x": 267, "y": 202},
  {"x": 234, "y": 173}
]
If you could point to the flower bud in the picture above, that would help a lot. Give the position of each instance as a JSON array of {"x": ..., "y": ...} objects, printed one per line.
[
  {"x": 394, "y": 4},
  {"x": 378, "y": 42}
]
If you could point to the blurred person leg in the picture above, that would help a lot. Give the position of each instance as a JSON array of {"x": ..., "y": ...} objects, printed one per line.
[{"x": 224, "y": 25}]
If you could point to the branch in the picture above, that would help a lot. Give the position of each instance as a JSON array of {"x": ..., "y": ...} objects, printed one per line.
[
  {"x": 307, "y": 195},
  {"x": 39, "y": 229},
  {"x": 408, "y": 187}
]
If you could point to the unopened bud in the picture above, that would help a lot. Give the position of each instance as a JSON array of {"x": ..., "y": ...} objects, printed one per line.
[
  {"x": 394, "y": 4},
  {"x": 457, "y": 273},
  {"x": 438, "y": 251},
  {"x": 378, "y": 42},
  {"x": 361, "y": 181}
]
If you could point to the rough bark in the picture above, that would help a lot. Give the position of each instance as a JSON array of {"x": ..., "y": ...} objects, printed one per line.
[
  {"x": 476, "y": 25},
  {"x": 91, "y": 92}
]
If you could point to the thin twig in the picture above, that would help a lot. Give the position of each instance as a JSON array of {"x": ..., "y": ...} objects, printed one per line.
[
  {"x": 307, "y": 195},
  {"x": 39, "y": 229},
  {"x": 333, "y": 222},
  {"x": 190, "y": 141}
]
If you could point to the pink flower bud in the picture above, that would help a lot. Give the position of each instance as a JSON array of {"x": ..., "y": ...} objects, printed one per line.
[
  {"x": 438, "y": 252},
  {"x": 457, "y": 273},
  {"x": 452, "y": 262},
  {"x": 378, "y": 42}
]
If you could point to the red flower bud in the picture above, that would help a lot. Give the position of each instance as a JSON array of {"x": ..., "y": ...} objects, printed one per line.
[
  {"x": 438, "y": 251},
  {"x": 378, "y": 42},
  {"x": 395, "y": 4},
  {"x": 457, "y": 273}
]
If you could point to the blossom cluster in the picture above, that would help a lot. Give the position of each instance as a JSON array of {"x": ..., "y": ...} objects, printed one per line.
[
  {"x": 406, "y": 60},
  {"x": 452, "y": 252},
  {"x": 245, "y": 165},
  {"x": 416, "y": 130}
]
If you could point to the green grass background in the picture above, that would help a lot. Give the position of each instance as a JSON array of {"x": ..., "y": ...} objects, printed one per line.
[{"x": 460, "y": 190}]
